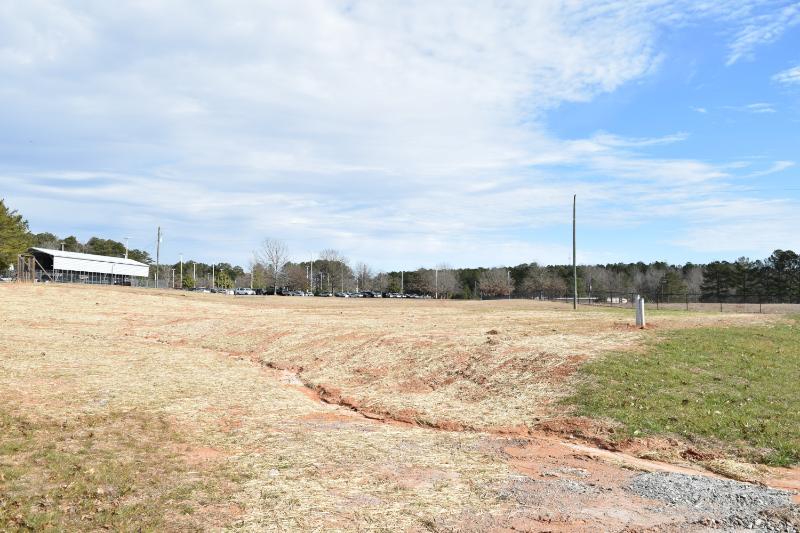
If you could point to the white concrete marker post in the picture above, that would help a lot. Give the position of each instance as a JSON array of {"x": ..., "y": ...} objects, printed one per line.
[{"x": 640, "y": 320}]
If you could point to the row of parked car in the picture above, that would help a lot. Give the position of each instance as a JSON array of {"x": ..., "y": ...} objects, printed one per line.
[{"x": 243, "y": 291}]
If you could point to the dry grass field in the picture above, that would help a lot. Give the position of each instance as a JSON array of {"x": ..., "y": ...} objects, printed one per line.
[{"x": 139, "y": 409}]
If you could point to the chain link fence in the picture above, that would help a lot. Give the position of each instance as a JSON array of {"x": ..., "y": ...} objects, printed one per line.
[{"x": 730, "y": 303}]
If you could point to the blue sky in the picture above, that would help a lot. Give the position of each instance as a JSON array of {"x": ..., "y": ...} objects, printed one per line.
[{"x": 407, "y": 133}]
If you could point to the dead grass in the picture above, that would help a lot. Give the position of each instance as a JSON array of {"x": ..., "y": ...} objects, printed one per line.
[
  {"x": 158, "y": 394},
  {"x": 469, "y": 364},
  {"x": 110, "y": 471}
]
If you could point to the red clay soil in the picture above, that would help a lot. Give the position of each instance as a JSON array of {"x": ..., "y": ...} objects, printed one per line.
[{"x": 573, "y": 473}]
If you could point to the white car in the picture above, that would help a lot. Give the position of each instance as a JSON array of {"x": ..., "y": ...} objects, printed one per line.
[{"x": 244, "y": 292}]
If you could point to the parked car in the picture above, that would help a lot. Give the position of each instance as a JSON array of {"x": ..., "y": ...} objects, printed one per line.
[
  {"x": 341, "y": 295},
  {"x": 244, "y": 292}
]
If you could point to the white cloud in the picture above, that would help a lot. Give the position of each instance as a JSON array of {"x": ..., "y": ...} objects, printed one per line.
[
  {"x": 758, "y": 107},
  {"x": 764, "y": 28},
  {"x": 789, "y": 76},
  {"x": 702, "y": 110},
  {"x": 731, "y": 225},
  {"x": 403, "y": 134},
  {"x": 777, "y": 166}
]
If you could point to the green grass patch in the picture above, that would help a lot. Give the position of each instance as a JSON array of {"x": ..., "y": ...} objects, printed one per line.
[{"x": 736, "y": 385}]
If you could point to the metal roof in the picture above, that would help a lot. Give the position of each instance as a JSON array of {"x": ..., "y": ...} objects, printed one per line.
[
  {"x": 94, "y": 263},
  {"x": 89, "y": 257}
]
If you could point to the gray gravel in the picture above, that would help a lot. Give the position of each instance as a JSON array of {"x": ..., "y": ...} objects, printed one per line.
[{"x": 721, "y": 503}]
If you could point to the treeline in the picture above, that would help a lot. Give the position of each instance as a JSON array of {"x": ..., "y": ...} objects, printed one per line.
[{"x": 776, "y": 278}]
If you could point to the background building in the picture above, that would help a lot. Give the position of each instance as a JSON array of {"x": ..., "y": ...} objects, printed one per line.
[{"x": 45, "y": 265}]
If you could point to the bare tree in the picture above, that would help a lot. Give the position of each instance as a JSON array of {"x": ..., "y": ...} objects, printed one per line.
[
  {"x": 381, "y": 281},
  {"x": 495, "y": 282},
  {"x": 274, "y": 254},
  {"x": 363, "y": 276},
  {"x": 694, "y": 279},
  {"x": 296, "y": 277},
  {"x": 447, "y": 283},
  {"x": 422, "y": 281}
]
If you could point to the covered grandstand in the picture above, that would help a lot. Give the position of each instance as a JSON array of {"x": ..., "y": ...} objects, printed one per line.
[{"x": 45, "y": 265}]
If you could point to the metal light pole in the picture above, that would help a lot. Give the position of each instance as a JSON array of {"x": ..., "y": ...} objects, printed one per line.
[
  {"x": 181, "y": 271},
  {"x": 173, "y": 278},
  {"x": 158, "y": 253},
  {"x": 574, "y": 259},
  {"x": 508, "y": 282},
  {"x": 401, "y": 283},
  {"x": 126, "y": 247},
  {"x": 436, "y": 290}
]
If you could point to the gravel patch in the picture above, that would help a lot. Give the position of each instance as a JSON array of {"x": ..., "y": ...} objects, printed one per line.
[
  {"x": 527, "y": 491},
  {"x": 721, "y": 503}
]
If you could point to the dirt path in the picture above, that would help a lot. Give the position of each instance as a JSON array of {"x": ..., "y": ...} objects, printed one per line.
[{"x": 270, "y": 454}]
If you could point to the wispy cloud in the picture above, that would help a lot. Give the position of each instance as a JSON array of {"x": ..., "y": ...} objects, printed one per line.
[
  {"x": 757, "y": 107},
  {"x": 777, "y": 166},
  {"x": 789, "y": 76},
  {"x": 702, "y": 110},
  {"x": 764, "y": 28},
  {"x": 760, "y": 107}
]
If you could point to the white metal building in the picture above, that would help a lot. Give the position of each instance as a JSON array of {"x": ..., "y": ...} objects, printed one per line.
[{"x": 72, "y": 267}]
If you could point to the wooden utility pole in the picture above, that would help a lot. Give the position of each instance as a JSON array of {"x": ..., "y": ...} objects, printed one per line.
[{"x": 574, "y": 259}]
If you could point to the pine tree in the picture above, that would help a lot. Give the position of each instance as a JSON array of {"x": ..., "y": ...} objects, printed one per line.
[{"x": 14, "y": 235}]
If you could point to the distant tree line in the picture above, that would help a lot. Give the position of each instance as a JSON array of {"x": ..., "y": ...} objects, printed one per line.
[{"x": 776, "y": 278}]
